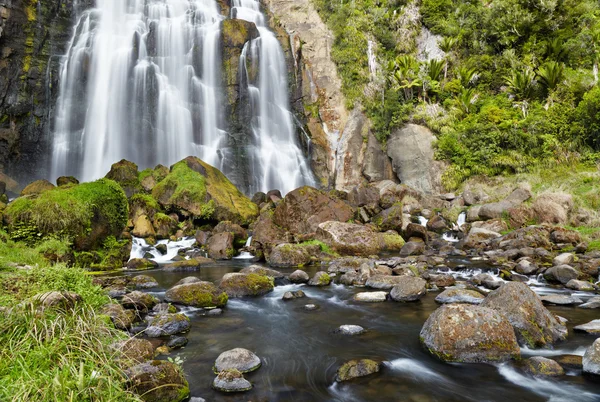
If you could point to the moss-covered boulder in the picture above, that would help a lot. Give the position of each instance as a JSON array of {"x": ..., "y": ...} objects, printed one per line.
[
  {"x": 320, "y": 278},
  {"x": 134, "y": 350},
  {"x": 166, "y": 324},
  {"x": 142, "y": 204},
  {"x": 87, "y": 213},
  {"x": 164, "y": 225},
  {"x": 292, "y": 255},
  {"x": 389, "y": 219},
  {"x": 121, "y": 318},
  {"x": 139, "y": 301},
  {"x": 125, "y": 173},
  {"x": 37, "y": 187},
  {"x": 66, "y": 181},
  {"x": 142, "y": 227},
  {"x": 141, "y": 264},
  {"x": 356, "y": 368},
  {"x": 204, "y": 192},
  {"x": 150, "y": 177},
  {"x": 197, "y": 294},
  {"x": 359, "y": 240},
  {"x": 220, "y": 246},
  {"x": 469, "y": 334},
  {"x": 158, "y": 381},
  {"x": 542, "y": 366},
  {"x": 241, "y": 285},
  {"x": 193, "y": 264}
]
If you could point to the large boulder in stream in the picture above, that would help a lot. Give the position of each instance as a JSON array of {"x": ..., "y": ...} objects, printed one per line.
[
  {"x": 198, "y": 189},
  {"x": 303, "y": 209},
  {"x": 410, "y": 289},
  {"x": 237, "y": 284},
  {"x": 534, "y": 325},
  {"x": 197, "y": 294},
  {"x": 292, "y": 255},
  {"x": 167, "y": 324},
  {"x": 591, "y": 359},
  {"x": 469, "y": 334},
  {"x": 356, "y": 368},
  {"x": 88, "y": 213},
  {"x": 239, "y": 359},
  {"x": 220, "y": 246},
  {"x": 354, "y": 239},
  {"x": 158, "y": 381}
]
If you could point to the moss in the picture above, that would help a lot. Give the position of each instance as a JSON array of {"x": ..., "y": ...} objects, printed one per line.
[
  {"x": 324, "y": 279},
  {"x": 324, "y": 247},
  {"x": 95, "y": 209},
  {"x": 392, "y": 242}
]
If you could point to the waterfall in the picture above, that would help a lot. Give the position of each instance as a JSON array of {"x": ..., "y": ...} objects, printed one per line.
[{"x": 142, "y": 81}]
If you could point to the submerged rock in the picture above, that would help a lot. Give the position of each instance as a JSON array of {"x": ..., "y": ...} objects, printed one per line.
[
  {"x": 469, "y": 334},
  {"x": 197, "y": 294},
  {"x": 534, "y": 325},
  {"x": 591, "y": 359},
  {"x": 239, "y": 359},
  {"x": 370, "y": 297},
  {"x": 193, "y": 264},
  {"x": 410, "y": 289},
  {"x": 459, "y": 296},
  {"x": 231, "y": 380},
  {"x": 240, "y": 285},
  {"x": 356, "y": 368},
  {"x": 158, "y": 381},
  {"x": 541, "y": 366},
  {"x": 177, "y": 342},
  {"x": 350, "y": 330}
]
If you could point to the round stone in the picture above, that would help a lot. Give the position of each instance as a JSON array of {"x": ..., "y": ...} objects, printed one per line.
[
  {"x": 350, "y": 330},
  {"x": 239, "y": 359}
]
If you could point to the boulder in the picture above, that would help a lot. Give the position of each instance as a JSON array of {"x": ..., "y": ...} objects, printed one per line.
[
  {"x": 560, "y": 235},
  {"x": 125, "y": 173},
  {"x": 264, "y": 271},
  {"x": 144, "y": 282},
  {"x": 385, "y": 282},
  {"x": 412, "y": 248},
  {"x": 231, "y": 380},
  {"x": 321, "y": 278},
  {"x": 220, "y": 246},
  {"x": 142, "y": 227},
  {"x": 57, "y": 300},
  {"x": 494, "y": 225},
  {"x": 158, "y": 381},
  {"x": 201, "y": 190},
  {"x": 299, "y": 276},
  {"x": 416, "y": 230},
  {"x": 239, "y": 233},
  {"x": 370, "y": 297},
  {"x": 167, "y": 324},
  {"x": 496, "y": 210},
  {"x": 193, "y": 264},
  {"x": 561, "y": 274},
  {"x": 591, "y": 359},
  {"x": 526, "y": 267},
  {"x": 437, "y": 224},
  {"x": 469, "y": 334},
  {"x": 239, "y": 359},
  {"x": 303, "y": 209},
  {"x": 582, "y": 286},
  {"x": 592, "y": 327},
  {"x": 37, "y": 187},
  {"x": 354, "y": 239},
  {"x": 356, "y": 368},
  {"x": 165, "y": 226},
  {"x": 266, "y": 232},
  {"x": 478, "y": 237},
  {"x": 564, "y": 258},
  {"x": 553, "y": 208},
  {"x": 241, "y": 285},
  {"x": 66, "y": 181},
  {"x": 541, "y": 366},
  {"x": 296, "y": 294},
  {"x": 140, "y": 301},
  {"x": 292, "y": 255},
  {"x": 534, "y": 325},
  {"x": 197, "y": 294},
  {"x": 594, "y": 302},
  {"x": 141, "y": 264},
  {"x": 350, "y": 330},
  {"x": 121, "y": 318},
  {"x": 390, "y": 218},
  {"x": 561, "y": 300},
  {"x": 410, "y": 289},
  {"x": 161, "y": 308},
  {"x": 457, "y": 295},
  {"x": 440, "y": 280},
  {"x": 363, "y": 195},
  {"x": 134, "y": 349}
]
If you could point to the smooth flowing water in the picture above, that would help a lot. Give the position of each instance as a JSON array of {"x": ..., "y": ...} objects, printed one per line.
[
  {"x": 142, "y": 80},
  {"x": 301, "y": 352}
]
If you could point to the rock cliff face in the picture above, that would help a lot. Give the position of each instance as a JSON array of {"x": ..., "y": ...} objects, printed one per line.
[{"x": 33, "y": 35}]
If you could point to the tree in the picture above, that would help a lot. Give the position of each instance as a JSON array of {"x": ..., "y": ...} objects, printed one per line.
[
  {"x": 467, "y": 76},
  {"x": 446, "y": 45}
]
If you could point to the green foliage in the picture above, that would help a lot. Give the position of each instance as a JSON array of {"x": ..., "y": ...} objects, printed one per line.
[
  {"x": 324, "y": 247},
  {"x": 14, "y": 253}
]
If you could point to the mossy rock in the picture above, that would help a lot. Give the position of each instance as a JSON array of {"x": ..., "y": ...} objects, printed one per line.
[
  {"x": 204, "y": 192},
  {"x": 292, "y": 255},
  {"x": 158, "y": 381},
  {"x": 87, "y": 213},
  {"x": 66, "y": 181},
  {"x": 125, "y": 173},
  {"x": 197, "y": 294},
  {"x": 193, "y": 264},
  {"x": 542, "y": 366},
  {"x": 356, "y": 368},
  {"x": 37, "y": 187},
  {"x": 241, "y": 285}
]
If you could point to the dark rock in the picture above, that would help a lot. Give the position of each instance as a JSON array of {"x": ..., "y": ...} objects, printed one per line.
[
  {"x": 140, "y": 264},
  {"x": 177, "y": 342},
  {"x": 66, "y": 180}
]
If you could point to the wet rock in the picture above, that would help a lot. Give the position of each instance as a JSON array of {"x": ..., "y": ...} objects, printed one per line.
[
  {"x": 412, "y": 248},
  {"x": 591, "y": 359},
  {"x": 564, "y": 258},
  {"x": 134, "y": 349},
  {"x": 356, "y": 368},
  {"x": 479, "y": 237},
  {"x": 350, "y": 330},
  {"x": 592, "y": 327},
  {"x": 193, "y": 264},
  {"x": 526, "y": 267},
  {"x": 239, "y": 359},
  {"x": 121, "y": 318},
  {"x": 469, "y": 334},
  {"x": 456, "y": 295},
  {"x": 303, "y": 209},
  {"x": 534, "y": 325},
  {"x": 321, "y": 278},
  {"x": 143, "y": 228},
  {"x": 541, "y": 366},
  {"x": 231, "y": 380},
  {"x": 292, "y": 255},
  {"x": 56, "y": 300},
  {"x": 370, "y": 297},
  {"x": 188, "y": 279},
  {"x": 140, "y": 301},
  {"x": 311, "y": 307},
  {"x": 158, "y": 381},
  {"x": 177, "y": 342},
  {"x": 410, "y": 289},
  {"x": 214, "y": 312},
  {"x": 561, "y": 300},
  {"x": 594, "y": 302},
  {"x": 385, "y": 282},
  {"x": 220, "y": 246},
  {"x": 144, "y": 282},
  {"x": 167, "y": 324},
  {"x": 293, "y": 295},
  {"x": 561, "y": 274},
  {"x": 140, "y": 264},
  {"x": 350, "y": 238},
  {"x": 570, "y": 362},
  {"x": 241, "y": 285},
  {"x": 162, "y": 248},
  {"x": 441, "y": 280},
  {"x": 264, "y": 271},
  {"x": 299, "y": 276},
  {"x": 197, "y": 294},
  {"x": 580, "y": 285},
  {"x": 161, "y": 308}
]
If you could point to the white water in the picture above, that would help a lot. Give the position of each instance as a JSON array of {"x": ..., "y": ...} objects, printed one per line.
[
  {"x": 139, "y": 248},
  {"x": 142, "y": 81},
  {"x": 422, "y": 220},
  {"x": 245, "y": 255}
]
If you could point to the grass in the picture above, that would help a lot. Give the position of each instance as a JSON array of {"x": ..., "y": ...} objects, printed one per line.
[
  {"x": 12, "y": 253},
  {"x": 324, "y": 247}
]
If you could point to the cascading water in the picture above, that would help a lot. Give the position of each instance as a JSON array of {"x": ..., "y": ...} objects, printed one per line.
[{"x": 142, "y": 81}]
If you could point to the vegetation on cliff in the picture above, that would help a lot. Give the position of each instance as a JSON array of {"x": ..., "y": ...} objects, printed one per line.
[{"x": 510, "y": 84}]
